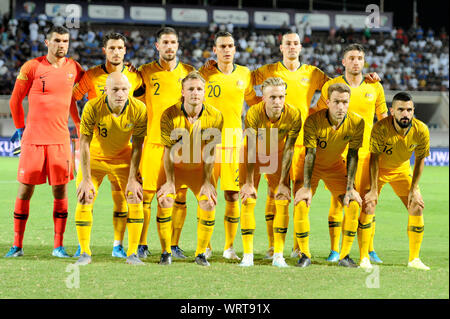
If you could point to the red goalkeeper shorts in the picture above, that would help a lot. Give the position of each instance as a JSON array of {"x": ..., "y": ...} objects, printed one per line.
[{"x": 39, "y": 162}]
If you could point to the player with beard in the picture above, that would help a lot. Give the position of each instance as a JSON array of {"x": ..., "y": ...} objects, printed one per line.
[
  {"x": 392, "y": 142},
  {"x": 162, "y": 80},
  {"x": 93, "y": 84}
]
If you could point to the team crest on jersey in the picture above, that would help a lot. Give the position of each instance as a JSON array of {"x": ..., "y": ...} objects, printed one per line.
[
  {"x": 369, "y": 96},
  {"x": 70, "y": 76},
  {"x": 304, "y": 81},
  {"x": 129, "y": 125},
  {"x": 240, "y": 83},
  {"x": 412, "y": 146}
]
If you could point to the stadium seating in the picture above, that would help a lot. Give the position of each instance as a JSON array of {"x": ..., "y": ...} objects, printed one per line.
[{"x": 405, "y": 60}]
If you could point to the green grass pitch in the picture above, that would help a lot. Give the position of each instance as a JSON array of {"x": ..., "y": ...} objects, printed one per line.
[{"x": 39, "y": 275}]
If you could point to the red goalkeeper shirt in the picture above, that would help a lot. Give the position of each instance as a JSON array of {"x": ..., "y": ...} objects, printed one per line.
[{"x": 49, "y": 91}]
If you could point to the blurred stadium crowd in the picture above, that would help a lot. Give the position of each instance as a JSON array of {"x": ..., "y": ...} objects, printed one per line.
[{"x": 413, "y": 59}]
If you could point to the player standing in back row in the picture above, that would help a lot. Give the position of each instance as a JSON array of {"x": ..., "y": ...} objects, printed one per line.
[
  {"x": 47, "y": 81},
  {"x": 366, "y": 100},
  {"x": 162, "y": 80},
  {"x": 228, "y": 85}
]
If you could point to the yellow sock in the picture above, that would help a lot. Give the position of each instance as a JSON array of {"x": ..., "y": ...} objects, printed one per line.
[
  {"x": 349, "y": 228},
  {"x": 147, "y": 210},
  {"x": 164, "y": 226},
  {"x": 280, "y": 225},
  {"x": 205, "y": 227},
  {"x": 270, "y": 214},
  {"x": 372, "y": 236},
  {"x": 248, "y": 225},
  {"x": 364, "y": 234},
  {"x": 178, "y": 215},
  {"x": 134, "y": 224},
  {"x": 83, "y": 223},
  {"x": 335, "y": 217},
  {"x": 231, "y": 222},
  {"x": 302, "y": 227},
  {"x": 120, "y": 214},
  {"x": 415, "y": 235}
]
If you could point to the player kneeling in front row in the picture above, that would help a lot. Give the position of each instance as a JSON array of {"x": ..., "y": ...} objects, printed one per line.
[
  {"x": 107, "y": 124},
  {"x": 392, "y": 142},
  {"x": 276, "y": 125},
  {"x": 189, "y": 132},
  {"x": 326, "y": 136}
]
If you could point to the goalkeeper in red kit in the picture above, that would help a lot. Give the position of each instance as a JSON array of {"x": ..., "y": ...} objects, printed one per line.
[{"x": 45, "y": 142}]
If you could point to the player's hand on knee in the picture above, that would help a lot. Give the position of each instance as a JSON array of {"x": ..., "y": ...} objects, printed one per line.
[
  {"x": 370, "y": 201},
  {"x": 134, "y": 191},
  {"x": 415, "y": 200},
  {"x": 350, "y": 195},
  {"x": 166, "y": 194},
  {"x": 208, "y": 190},
  {"x": 86, "y": 192},
  {"x": 283, "y": 192},
  {"x": 247, "y": 191},
  {"x": 303, "y": 194}
]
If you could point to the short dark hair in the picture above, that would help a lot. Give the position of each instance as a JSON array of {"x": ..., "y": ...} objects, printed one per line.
[
  {"x": 57, "y": 29},
  {"x": 222, "y": 34},
  {"x": 353, "y": 47},
  {"x": 402, "y": 96},
  {"x": 165, "y": 30},
  {"x": 113, "y": 36}
]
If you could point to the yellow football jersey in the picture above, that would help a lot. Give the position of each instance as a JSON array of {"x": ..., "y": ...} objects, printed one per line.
[
  {"x": 227, "y": 92},
  {"x": 396, "y": 150},
  {"x": 300, "y": 85},
  {"x": 174, "y": 119},
  {"x": 162, "y": 90},
  {"x": 112, "y": 133},
  {"x": 367, "y": 100},
  {"x": 288, "y": 125},
  {"x": 329, "y": 143},
  {"x": 94, "y": 79}
]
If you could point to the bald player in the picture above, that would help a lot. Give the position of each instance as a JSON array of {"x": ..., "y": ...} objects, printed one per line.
[
  {"x": 93, "y": 84},
  {"x": 113, "y": 119}
]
